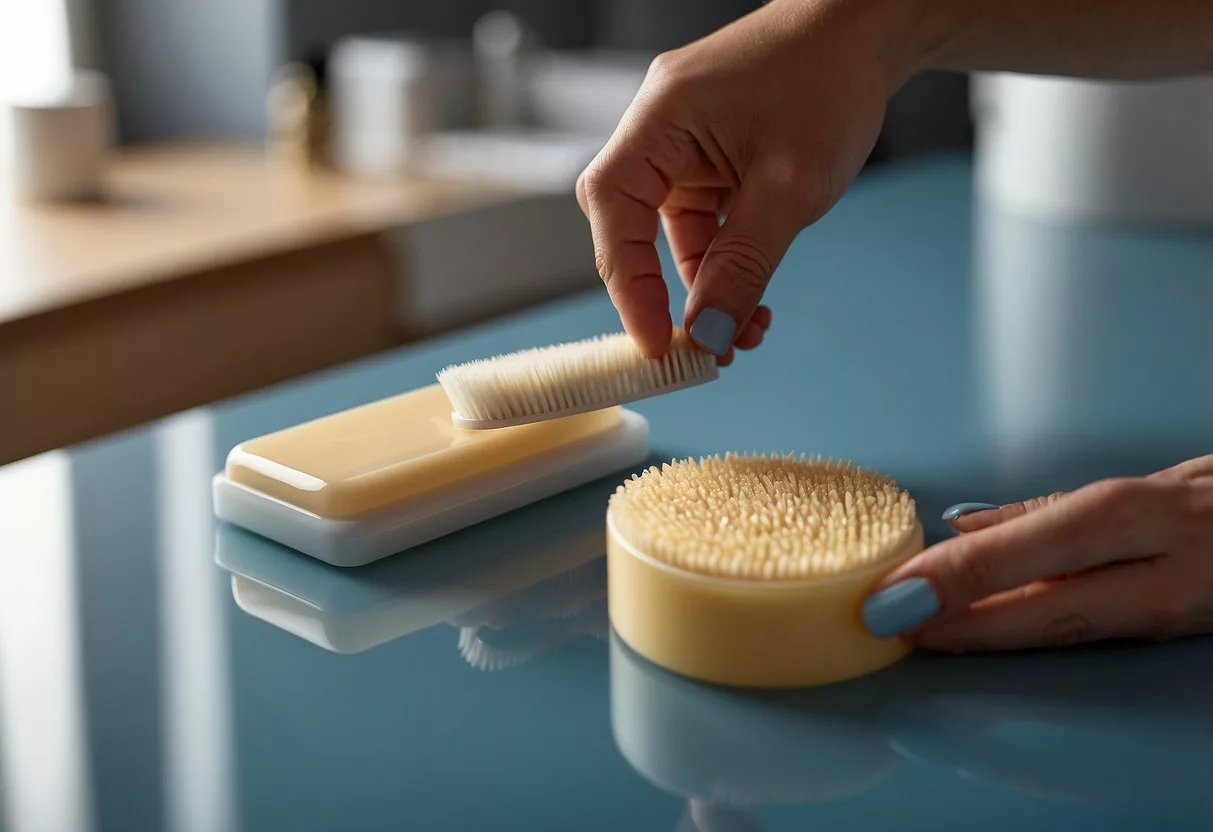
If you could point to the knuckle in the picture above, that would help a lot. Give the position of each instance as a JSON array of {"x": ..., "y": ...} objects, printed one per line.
[
  {"x": 800, "y": 189},
  {"x": 593, "y": 180},
  {"x": 664, "y": 70},
  {"x": 603, "y": 264},
  {"x": 745, "y": 260},
  {"x": 805, "y": 182},
  {"x": 1124, "y": 496},
  {"x": 1189, "y": 519},
  {"x": 1050, "y": 499},
  {"x": 1034, "y": 504}
]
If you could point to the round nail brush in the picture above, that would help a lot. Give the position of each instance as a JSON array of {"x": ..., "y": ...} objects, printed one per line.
[{"x": 751, "y": 570}]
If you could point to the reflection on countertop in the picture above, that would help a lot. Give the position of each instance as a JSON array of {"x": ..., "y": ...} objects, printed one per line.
[
  {"x": 136, "y": 694},
  {"x": 1036, "y": 723},
  {"x": 1094, "y": 344},
  {"x": 524, "y": 584},
  {"x": 725, "y": 750}
]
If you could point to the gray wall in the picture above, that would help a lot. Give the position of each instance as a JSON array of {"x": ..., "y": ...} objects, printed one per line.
[
  {"x": 312, "y": 24},
  {"x": 658, "y": 25},
  {"x": 188, "y": 68}
]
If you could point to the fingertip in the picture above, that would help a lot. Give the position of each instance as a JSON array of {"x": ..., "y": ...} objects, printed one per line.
[
  {"x": 726, "y": 359},
  {"x": 762, "y": 317},
  {"x": 901, "y": 607},
  {"x": 653, "y": 340},
  {"x": 644, "y": 308}
]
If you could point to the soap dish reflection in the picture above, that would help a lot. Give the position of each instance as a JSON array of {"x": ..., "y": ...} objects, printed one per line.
[{"x": 513, "y": 588}]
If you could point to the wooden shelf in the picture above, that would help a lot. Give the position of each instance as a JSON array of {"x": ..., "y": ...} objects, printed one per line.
[{"x": 183, "y": 210}]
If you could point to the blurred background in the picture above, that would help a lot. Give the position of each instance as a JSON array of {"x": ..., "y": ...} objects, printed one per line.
[
  {"x": 178, "y": 174},
  {"x": 199, "y": 198}
]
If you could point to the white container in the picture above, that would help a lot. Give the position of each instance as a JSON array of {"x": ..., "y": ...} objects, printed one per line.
[
  {"x": 60, "y": 145},
  {"x": 584, "y": 93},
  {"x": 1136, "y": 153},
  {"x": 388, "y": 93}
]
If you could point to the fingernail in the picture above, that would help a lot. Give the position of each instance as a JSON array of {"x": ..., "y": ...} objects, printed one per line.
[
  {"x": 900, "y": 607},
  {"x": 714, "y": 331},
  {"x": 952, "y": 512}
]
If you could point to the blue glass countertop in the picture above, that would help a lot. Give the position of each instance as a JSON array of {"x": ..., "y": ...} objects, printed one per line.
[{"x": 160, "y": 672}]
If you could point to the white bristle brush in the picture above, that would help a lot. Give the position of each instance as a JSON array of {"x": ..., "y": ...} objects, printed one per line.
[{"x": 566, "y": 379}]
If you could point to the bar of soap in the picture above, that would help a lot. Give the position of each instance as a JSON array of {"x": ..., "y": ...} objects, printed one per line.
[
  {"x": 751, "y": 571},
  {"x": 381, "y": 478},
  {"x": 360, "y": 459}
]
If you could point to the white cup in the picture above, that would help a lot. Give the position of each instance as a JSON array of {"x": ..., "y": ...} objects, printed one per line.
[{"x": 60, "y": 145}]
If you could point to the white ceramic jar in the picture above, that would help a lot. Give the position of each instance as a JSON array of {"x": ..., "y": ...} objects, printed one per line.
[
  {"x": 60, "y": 144},
  {"x": 1137, "y": 153}
]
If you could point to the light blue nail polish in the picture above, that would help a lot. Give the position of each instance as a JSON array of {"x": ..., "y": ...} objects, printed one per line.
[
  {"x": 952, "y": 512},
  {"x": 900, "y": 607},
  {"x": 714, "y": 330}
]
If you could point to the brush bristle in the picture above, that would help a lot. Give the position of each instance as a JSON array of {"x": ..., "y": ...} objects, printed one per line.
[
  {"x": 568, "y": 378},
  {"x": 553, "y": 635},
  {"x": 764, "y": 517}
]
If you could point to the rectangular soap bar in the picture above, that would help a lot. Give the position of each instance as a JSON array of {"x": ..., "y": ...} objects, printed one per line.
[{"x": 359, "y": 460}]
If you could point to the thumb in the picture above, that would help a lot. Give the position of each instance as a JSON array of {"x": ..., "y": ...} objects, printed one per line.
[{"x": 736, "y": 268}]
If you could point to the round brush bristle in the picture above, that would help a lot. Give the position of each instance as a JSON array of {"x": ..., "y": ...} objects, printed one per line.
[
  {"x": 764, "y": 517},
  {"x": 565, "y": 379}
]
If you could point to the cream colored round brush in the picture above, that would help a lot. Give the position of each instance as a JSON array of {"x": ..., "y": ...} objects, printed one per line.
[{"x": 751, "y": 570}]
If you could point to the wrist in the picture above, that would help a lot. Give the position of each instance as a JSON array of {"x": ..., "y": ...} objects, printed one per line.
[
  {"x": 905, "y": 36},
  {"x": 931, "y": 32},
  {"x": 914, "y": 35}
]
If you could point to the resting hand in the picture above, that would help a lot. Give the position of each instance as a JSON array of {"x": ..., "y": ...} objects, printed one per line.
[{"x": 1120, "y": 558}]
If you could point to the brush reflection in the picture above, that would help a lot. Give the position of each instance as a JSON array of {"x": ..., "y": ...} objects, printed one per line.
[{"x": 514, "y": 588}]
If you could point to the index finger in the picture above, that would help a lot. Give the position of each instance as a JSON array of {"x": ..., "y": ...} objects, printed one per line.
[
  {"x": 620, "y": 193},
  {"x": 1113, "y": 520}
]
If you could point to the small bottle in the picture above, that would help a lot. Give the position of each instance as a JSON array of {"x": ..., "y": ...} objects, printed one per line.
[
  {"x": 298, "y": 117},
  {"x": 502, "y": 44}
]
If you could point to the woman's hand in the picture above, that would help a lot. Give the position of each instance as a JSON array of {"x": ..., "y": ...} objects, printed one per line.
[
  {"x": 768, "y": 120},
  {"x": 1122, "y": 558},
  {"x": 765, "y": 122}
]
